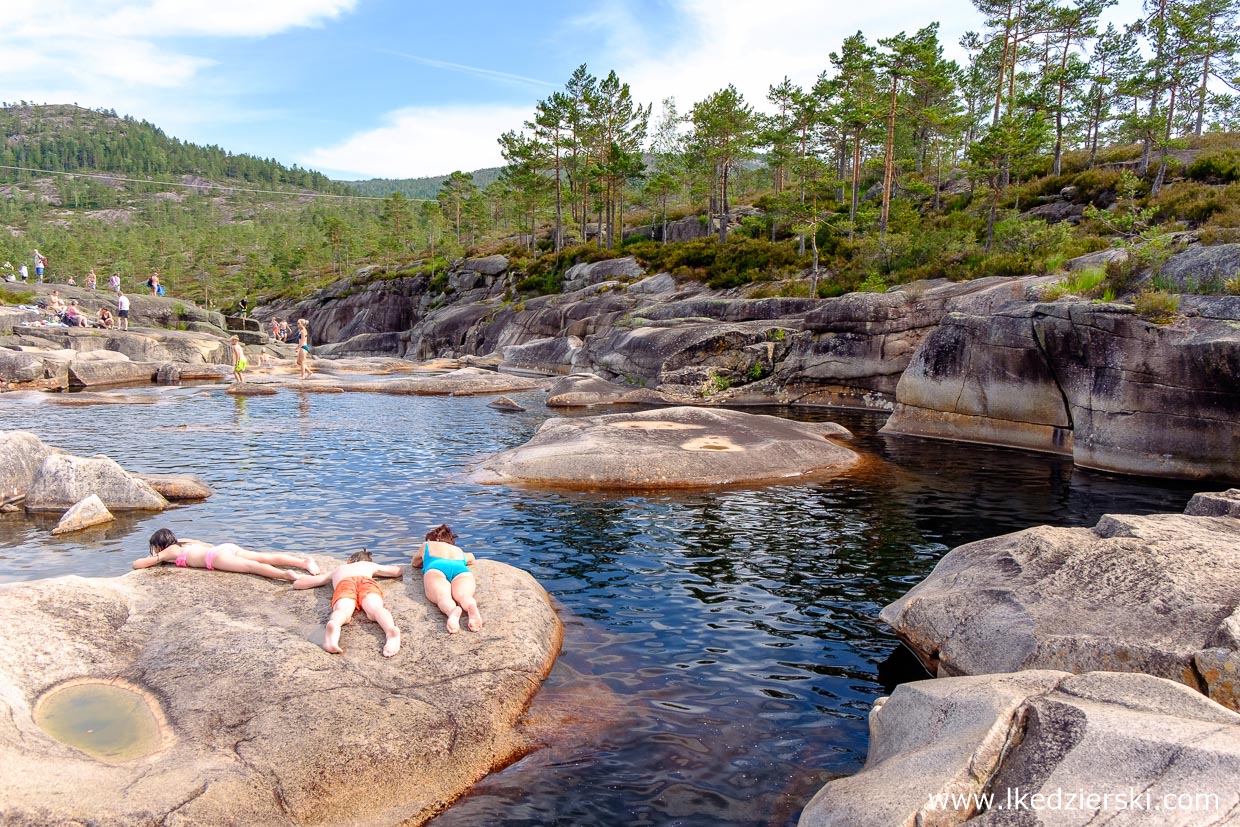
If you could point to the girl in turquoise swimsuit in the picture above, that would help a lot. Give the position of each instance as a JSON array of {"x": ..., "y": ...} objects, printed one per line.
[{"x": 446, "y": 578}]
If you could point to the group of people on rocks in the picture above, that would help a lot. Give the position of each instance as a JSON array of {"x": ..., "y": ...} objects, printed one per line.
[
  {"x": 90, "y": 282},
  {"x": 446, "y": 579},
  {"x": 68, "y": 313}
]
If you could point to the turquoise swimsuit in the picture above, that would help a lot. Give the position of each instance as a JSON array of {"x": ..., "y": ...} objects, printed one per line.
[{"x": 450, "y": 568}]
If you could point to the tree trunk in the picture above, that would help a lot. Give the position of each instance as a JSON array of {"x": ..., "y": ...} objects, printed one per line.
[
  {"x": 856, "y": 184},
  {"x": 723, "y": 202},
  {"x": 889, "y": 158}
]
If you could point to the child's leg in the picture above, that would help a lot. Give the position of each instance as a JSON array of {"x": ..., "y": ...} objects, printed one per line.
[
  {"x": 372, "y": 605},
  {"x": 463, "y": 586},
  {"x": 342, "y": 613},
  {"x": 440, "y": 593},
  {"x": 279, "y": 558},
  {"x": 231, "y": 561}
]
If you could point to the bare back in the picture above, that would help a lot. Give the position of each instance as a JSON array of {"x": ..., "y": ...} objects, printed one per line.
[{"x": 363, "y": 568}]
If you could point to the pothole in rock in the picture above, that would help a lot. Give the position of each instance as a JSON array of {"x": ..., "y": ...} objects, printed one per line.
[{"x": 104, "y": 719}]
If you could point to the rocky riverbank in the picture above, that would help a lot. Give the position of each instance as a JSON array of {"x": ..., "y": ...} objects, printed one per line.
[
  {"x": 984, "y": 361},
  {"x": 1144, "y": 610}
]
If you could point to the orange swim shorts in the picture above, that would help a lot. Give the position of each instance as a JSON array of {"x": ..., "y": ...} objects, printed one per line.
[{"x": 356, "y": 589}]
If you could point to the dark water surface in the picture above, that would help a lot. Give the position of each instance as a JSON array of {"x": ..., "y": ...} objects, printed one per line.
[{"x": 721, "y": 649}]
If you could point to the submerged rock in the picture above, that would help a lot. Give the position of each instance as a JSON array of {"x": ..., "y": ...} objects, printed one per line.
[
  {"x": 671, "y": 448},
  {"x": 261, "y": 726},
  {"x": 177, "y": 486},
  {"x": 505, "y": 404},
  {"x": 1040, "y": 742},
  {"x": 1157, "y": 594}
]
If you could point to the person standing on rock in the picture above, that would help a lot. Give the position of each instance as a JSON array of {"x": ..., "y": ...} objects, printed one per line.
[
  {"x": 195, "y": 554},
  {"x": 122, "y": 310},
  {"x": 303, "y": 349},
  {"x": 92, "y": 281},
  {"x": 446, "y": 578},
  {"x": 114, "y": 281},
  {"x": 239, "y": 363},
  {"x": 355, "y": 590},
  {"x": 39, "y": 263}
]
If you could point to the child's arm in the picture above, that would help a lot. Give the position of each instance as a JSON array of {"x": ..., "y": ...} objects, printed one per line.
[
  {"x": 388, "y": 571},
  {"x": 147, "y": 561},
  {"x": 469, "y": 558},
  {"x": 416, "y": 559},
  {"x": 311, "y": 581}
]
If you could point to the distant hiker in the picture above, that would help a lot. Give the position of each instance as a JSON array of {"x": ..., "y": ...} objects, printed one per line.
[
  {"x": 114, "y": 282},
  {"x": 239, "y": 363},
  {"x": 72, "y": 282},
  {"x": 303, "y": 348},
  {"x": 91, "y": 280},
  {"x": 244, "y": 305},
  {"x": 153, "y": 283},
  {"x": 40, "y": 262},
  {"x": 122, "y": 310},
  {"x": 356, "y": 590},
  {"x": 25, "y": 272}
]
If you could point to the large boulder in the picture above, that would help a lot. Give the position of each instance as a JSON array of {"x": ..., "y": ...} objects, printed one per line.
[
  {"x": 63, "y": 480},
  {"x": 864, "y": 341},
  {"x": 590, "y": 273},
  {"x": 1095, "y": 381},
  {"x": 585, "y": 390},
  {"x": 21, "y": 455},
  {"x": 1157, "y": 594},
  {"x": 672, "y": 448},
  {"x": 19, "y": 368},
  {"x": 259, "y": 724},
  {"x": 1040, "y": 747},
  {"x": 88, "y": 372}
]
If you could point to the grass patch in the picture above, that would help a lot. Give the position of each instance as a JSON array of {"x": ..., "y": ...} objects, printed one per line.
[
  {"x": 1157, "y": 306},
  {"x": 1087, "y": 283},
  {"x": 10, "y": 296}
]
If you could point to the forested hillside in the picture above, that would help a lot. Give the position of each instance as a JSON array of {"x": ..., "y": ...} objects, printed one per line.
[
  {"x": 1058, "y": 136},
  {"x": 419, "y": 188}
]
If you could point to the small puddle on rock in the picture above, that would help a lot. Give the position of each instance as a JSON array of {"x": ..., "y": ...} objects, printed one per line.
[{"x": 111, "y": 722}]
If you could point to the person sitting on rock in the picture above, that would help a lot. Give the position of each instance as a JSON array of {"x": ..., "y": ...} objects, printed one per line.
[
  {"x": 74, "y": 317},
  {"x": 355, "y": 589},
  {"x": 446, "y": 578},
  {"x": 55, "y": 305},
  {"x": 195, "y": 554},
  {"x": 105, "y": 318}
]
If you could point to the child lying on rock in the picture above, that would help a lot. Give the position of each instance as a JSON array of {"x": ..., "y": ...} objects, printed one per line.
[
  {"x": 195, "y": 554},
  {"x": 446, "y": 578},
  {"x": 356, "y": 589}
]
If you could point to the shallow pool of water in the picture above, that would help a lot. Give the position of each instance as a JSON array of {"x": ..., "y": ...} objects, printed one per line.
[
  {"x": 729, "y": 639},
  {"x": 107, "y": 721}
]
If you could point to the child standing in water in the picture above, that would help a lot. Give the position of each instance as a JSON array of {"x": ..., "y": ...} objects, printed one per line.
[
  {"x": 356, "y": 590},
  {"x": 239, "y": 363},
  {"x": 446, "y": 578}
]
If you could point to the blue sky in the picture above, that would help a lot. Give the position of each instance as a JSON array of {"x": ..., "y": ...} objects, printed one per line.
[{"x": 407, "y": 88}]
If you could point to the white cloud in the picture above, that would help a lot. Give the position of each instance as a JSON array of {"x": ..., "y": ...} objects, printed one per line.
[
  {"x": 422, "y": 141},
  {"x": 214, "y": 18}
]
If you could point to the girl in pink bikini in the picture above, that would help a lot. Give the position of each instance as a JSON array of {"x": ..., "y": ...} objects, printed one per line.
[{"x": 195, "y": 554}]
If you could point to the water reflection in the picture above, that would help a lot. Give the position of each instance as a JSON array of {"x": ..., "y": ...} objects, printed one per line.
[{"x": 722, "y": 648}]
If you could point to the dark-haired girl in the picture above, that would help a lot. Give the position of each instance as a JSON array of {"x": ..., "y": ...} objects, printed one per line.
[
  {"x": 446, "y": 578},
  {"x": 195, "y": 554}
]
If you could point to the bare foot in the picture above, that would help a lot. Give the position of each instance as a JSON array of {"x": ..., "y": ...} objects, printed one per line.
[
  {"x": 454, "y": 620},
  {"x": 392, "y": 646},
  {"x": 311, "y": 566},
  {"x": 475, "y": 619},
  {"x": 290, "y": 576},
  {"x": 331, "y": 638}
]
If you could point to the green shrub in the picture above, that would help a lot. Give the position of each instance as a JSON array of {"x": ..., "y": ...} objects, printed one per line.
[
  {"x": 1232, "y": 286},
  {"x": 1086, "y": 283},
  {"x": 1157, "y": 306},
  {"x": 10, "y": 296},
  {"x": 1216, "y": 167}
]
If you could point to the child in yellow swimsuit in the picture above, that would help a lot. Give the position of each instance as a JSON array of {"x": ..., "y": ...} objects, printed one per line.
[{"x": 239, "y": 363}]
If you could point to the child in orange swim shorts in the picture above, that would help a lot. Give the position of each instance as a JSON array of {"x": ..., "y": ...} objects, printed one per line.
[{"x": 356, "y": 590}]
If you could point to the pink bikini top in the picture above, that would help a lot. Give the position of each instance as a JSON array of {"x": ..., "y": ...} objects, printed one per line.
[{"x": 180, "y": 561}]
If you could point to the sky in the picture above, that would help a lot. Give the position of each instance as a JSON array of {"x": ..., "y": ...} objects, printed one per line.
[{"x": 409, "y": 88}]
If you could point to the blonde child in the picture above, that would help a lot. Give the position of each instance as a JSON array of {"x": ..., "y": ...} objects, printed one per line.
[{"x": 239, "y": 363}]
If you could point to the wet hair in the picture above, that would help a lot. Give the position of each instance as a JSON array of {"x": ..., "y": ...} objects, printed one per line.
[
  {"x": 161, "y": 539},
  {"x": 441, "y": 534},
  {"x": 234, "y": 340},
  {"x": 362, "y": 556}
]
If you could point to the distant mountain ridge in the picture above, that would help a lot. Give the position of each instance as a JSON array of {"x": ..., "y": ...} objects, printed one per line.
[
  {"x": 69, "y": 138},
  {"x": 423, "y": 188}
]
